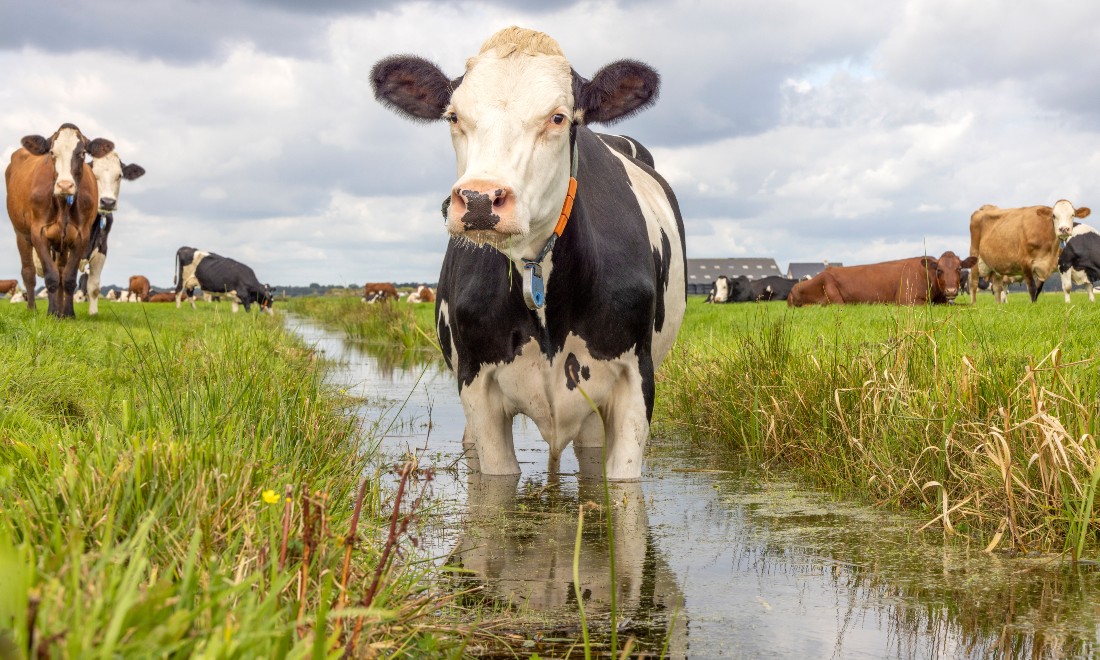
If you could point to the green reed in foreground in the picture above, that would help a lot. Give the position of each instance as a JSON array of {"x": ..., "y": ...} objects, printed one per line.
[
  {"x": 985, "y": 417},
  {"x": 183, "y": 482}
]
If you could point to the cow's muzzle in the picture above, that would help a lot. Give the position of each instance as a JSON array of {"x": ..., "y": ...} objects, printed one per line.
[
  {"x": 107, "y": 204},
  {"x": 481, "y": 205}
]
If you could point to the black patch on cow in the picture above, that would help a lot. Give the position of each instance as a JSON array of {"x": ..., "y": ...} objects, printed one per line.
[
  {"x": 618, "y": 91},
  {"x": 661, "y": 260},
  {"x": 479, "y": 210},
  {"x": 1082, "y": 252},
  {"x": 97, "y": 238},
  {"x": 628, "y": 147},
  {"x": 574, "y": 372},
  {"x": 772, "y": 287}
]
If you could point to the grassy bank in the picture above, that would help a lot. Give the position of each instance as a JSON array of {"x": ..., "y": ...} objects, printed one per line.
[
  {"x": 984, "y": 417},
  {"x": 178, "y": 483},
  {"x": 411, "y": 326}
]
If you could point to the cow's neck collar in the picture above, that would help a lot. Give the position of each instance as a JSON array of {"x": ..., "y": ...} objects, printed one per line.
[{"x": 534, "y": 291}]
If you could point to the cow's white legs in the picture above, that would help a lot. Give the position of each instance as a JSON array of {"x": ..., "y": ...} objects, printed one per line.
[
  {"x": 95, "y": 270},
  {"x": 489, "y": 427},
  {"x": 1067, "y": 285},
  {"x": 235, "y": 306},
  {"x": 627, "y": 429}
]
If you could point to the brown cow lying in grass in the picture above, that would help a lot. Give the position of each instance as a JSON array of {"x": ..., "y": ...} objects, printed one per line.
[{"x": 914, "y": 281}]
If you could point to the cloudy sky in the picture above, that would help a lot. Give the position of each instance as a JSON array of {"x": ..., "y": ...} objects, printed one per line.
[{"x": 854, "y": 130}]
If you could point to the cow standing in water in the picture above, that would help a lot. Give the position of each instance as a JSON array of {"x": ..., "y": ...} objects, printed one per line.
[
  {"x": 52, "y": 197},
  {"x": 563, "y": 282}
]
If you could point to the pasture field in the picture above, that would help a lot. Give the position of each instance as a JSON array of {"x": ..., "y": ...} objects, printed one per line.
[
  {"x": 182, "y": 483},
  {"x": 984, "y": 418}
]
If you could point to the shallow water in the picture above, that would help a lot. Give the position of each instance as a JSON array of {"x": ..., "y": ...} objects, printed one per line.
[{"x": 713, "y": 560}]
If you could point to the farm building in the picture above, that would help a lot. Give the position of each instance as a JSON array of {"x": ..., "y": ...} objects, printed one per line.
[
  {"x": 701, "y": 273},
  {"x": 804, "y": 270}
]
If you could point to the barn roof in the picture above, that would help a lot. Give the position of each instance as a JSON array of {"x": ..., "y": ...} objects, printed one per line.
[
  {"x": 800, "y": 269},
  {"x": 705, "y": 271}
]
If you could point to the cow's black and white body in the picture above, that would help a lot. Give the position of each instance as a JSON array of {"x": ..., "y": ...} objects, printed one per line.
[
  {"x": 730, "y": 289},
  {"x": 772, "y": 287},
  {"x": 614, "y": 280},
  {"x": 109, "y": 172},
  {"x": 216, "y": 274},
  {"x": 1079, "y": 262}
]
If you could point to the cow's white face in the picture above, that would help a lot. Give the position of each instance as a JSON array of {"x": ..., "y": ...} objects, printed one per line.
[
  {"x": 109, "y": 173},
  {"x": 510, "y": 120},
  {"x": 1064, "y": 217},
  {"x": 67, "y": 153},
  {"x": 721, "y": 289}
]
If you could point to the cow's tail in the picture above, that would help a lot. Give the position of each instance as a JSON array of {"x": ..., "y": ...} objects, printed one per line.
[{"x": 177, "y": 277}]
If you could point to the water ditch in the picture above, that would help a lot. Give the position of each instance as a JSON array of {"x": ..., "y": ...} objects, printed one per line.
[{"x": 713, "y": 560}]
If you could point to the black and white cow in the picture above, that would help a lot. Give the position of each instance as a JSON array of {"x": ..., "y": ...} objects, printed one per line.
[
  {"x": 730, "y": 289},
  {"x": 772, "y": 287},
  {"x": 109, "y": 172},
  {"x": 531, "y": 326},
  {"x": 1079, "y": 262},
  {"x": 216, "y": 274}
]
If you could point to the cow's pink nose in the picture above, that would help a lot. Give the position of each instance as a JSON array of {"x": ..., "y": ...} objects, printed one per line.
[
  {"x": 480, "y": 204},
  {"x": 66, "y": 187}
]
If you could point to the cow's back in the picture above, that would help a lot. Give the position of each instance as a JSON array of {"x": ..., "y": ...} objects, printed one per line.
[{"x": 1009, "y": 241}]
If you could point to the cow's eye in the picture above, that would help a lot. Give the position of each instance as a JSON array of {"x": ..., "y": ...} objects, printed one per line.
[
  {"x": 452, "y": 117},
  {"x": 558, "y": 118}
]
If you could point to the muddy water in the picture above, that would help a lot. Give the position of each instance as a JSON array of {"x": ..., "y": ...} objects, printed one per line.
[{"x": 712, "y": 560}]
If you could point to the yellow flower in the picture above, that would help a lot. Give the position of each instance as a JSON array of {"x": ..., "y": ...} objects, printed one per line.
[{"x": 270, "y": 497}]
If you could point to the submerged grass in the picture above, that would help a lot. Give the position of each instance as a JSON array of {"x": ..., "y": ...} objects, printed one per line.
[
  {"x": 984, "y": 417},
  {"x": 183, "y": 483}
]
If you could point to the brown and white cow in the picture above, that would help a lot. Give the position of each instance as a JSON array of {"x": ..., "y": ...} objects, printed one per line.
[
  {"x": 162, "y": 297},
  {"x": 423, "y": 294},
  {"x": 8, "y": 286},
  {"x": 913, "y": 281},
  {"x": 52, "y": 197},
  {"x": 1019, "y": 243},
  {"x": 139, "y": 288},
  {"x": 379, "y": 292},
  {"x": 17, "y": 297}
]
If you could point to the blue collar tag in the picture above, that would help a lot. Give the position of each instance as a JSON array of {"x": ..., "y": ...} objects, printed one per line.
[{"x": 533, "y": 291}]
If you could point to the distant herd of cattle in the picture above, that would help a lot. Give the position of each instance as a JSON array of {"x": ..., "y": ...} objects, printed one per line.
[
  {"x": 1006, "y": 245},
  {"x": 62, "y": 210}
]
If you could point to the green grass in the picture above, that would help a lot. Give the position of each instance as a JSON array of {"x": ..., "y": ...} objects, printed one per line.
[
  {"x": 410, "y": 326},
  {"x": 135, "y": 451},
  {"x": 984, "y": 417}
]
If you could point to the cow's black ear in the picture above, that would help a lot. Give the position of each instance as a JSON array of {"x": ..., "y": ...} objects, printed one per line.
[
  {"x": 36, "y": 144},
  {"x": 412, "y": 86},
  {"x": 969, "y": 261},
  {"x": 100, "y": 147},
  {"x": 617, "y": 91},
  {"x": 132, "y": 171}
]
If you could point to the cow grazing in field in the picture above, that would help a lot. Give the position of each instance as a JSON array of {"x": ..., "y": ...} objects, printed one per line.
[
  {"x": 79, "y": 296},
  {"x": 423, "y": 294},
  {"x": 914, "y": 281},
  {"x": 8, "y": 286},
  {"x": 379, "y": 292},
  {"x": 563, "y": 283},
  {"x": 1019, "y": 243},
  {"x": 139, "y": 288},
  {"x": 52, "y": 197},
  {"x": 112, "y": 295},
  {"x": 1079, "y": 262},
  {"x": 17, "y": 297},
  {"x": 109, "y": 172},
  {"x": 216, "y": 274}
]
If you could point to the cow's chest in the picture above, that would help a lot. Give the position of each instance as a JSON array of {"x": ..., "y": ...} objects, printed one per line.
[{"x": 558, "y": 393}]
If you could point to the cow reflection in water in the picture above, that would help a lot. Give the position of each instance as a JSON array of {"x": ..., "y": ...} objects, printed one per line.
[{"x": 521, "y": 545}]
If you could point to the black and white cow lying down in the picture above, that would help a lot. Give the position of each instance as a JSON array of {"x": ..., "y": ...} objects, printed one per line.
[
  {"x": 742, "y": 289},
  {"x": 215, "y": 274},
  {"x": 529, "y": 326},
  {"x": 1079, "y": 262}
]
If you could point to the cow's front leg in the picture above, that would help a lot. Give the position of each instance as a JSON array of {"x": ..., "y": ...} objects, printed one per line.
[
  {"x": 627, "y": 424},
  {"x": 489, "y": 427},
  {"x": 69, "y": 274},
  {"x": 95, "y": 270},
  {"x": 26, "y": 251},
  {"x": 49, "y": 272}
]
